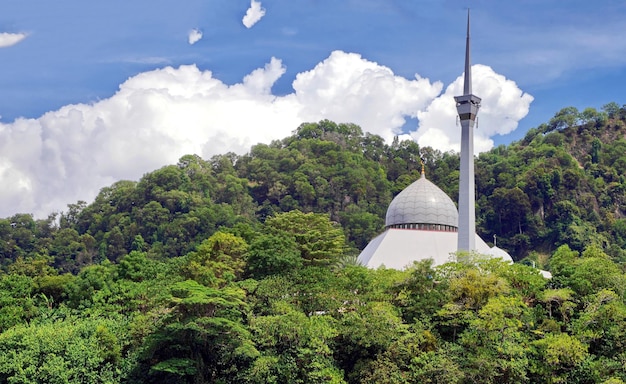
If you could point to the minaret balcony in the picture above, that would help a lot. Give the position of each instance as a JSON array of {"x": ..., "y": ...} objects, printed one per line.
[{"x": 467, "y": 106}]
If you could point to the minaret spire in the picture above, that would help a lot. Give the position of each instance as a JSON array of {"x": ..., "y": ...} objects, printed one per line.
[
  {"x": 467, "y": 107},
  {"x": 467, "y": 83}
]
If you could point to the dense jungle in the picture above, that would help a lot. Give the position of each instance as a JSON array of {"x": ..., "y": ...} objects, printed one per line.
[{"x": 242, "y": 268}]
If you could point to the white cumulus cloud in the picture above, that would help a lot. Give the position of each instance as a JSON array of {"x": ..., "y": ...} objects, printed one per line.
[
  {"x": 347, "y": 88},
  {"x": 158, "y": 116},
  {"x": 9, "y": 39},
  {"x": 194, "y": 36},
  {"x": 253, "y": 14},
  {"x": 503, "y": 106}
]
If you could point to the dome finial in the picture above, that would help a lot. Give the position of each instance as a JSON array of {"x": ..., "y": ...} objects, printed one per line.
[{"x": 423, "y": 166}]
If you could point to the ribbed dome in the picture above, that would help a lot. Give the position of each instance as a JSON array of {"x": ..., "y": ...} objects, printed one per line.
[{"x": 424, "y": 203}]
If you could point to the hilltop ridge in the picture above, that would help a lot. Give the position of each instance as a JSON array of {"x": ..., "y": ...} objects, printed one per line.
[{"x": 563, "y": 183}]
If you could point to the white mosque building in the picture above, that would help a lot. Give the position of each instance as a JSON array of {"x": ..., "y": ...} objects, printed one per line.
[{"x": 422, "y": 222}]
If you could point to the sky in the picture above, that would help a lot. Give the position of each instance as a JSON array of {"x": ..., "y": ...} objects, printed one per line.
[{"x": 96, "y": 92}]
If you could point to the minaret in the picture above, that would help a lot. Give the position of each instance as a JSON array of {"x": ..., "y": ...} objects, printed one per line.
[{"x": 467, "y": 107}]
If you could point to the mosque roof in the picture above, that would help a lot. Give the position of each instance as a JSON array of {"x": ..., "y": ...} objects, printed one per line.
[
  {"x": 498, "y": 252},
  {"x": 399, "y": 248},
  {"x": 422, "y": 202}
]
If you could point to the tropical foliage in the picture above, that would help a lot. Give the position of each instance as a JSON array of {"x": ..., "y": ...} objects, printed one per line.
[{"x": 241, "y": 268}]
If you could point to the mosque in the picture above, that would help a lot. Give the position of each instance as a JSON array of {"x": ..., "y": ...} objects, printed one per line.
[{"x": 422, "y": 222}]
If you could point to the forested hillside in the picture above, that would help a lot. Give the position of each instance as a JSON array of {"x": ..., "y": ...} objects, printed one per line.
[{"x": 241, "y": 268}]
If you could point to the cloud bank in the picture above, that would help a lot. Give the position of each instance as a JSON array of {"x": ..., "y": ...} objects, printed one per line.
[
  {"x": 253, "y": 14},
  {"x": 194, "y": 36},
  {"x": 158, "y": 116},
  {"x": 9, "y": 39}
]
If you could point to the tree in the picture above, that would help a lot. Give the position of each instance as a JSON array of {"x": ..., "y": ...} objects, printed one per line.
[
  {"x": 513, "y": 211},
  {"x": 201, "y": 339},
  {"x": 496, "y": 344},
  {"x": 468, "y": 289},
  {"x": 421, "y": 295},
  {"x": 593, "y": 117},
  {"x": 220, "y": 259},
  {"x": 273, "y": 254},
  {"x": 33, "y": 266},
  {"x": 593, "y": 274},
  {"x": 559, "y": 302},
  {"x": 90, "y": 280},
  {"x": 563, "y": 260},
  {"x": 70, "y": 351},
  {"x": 320, "y": 241},
  {"x": 136, "y": 267},
  {"x": 556, "y": 358},
  {"x": 586, "y": 275},
  {"x": 596, "y": 147},
  {"x": 360, "y": 226},
  {"x": 16, "y": 301},
  {"x": 611, "y": 109},
  {"x": 527, "y": 282},
  {"x": 20, "y": 234},
  {"x": 53, "y": 287},
  {"x": 151, "y": 217},
  {"x": 565, "y": 118},
  {"x": 365, "y": 332},
  {"x": 68, "y": 251},
  {"x": 472, "y": 288},
  {"x": 70, "y": 218},
  {"x": 295, "y": 348},
  {"x": 602, "y": 324},
  {"x": 414, "y": 358}
]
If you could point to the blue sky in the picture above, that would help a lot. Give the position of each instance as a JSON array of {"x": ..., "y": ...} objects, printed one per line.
[{"x": 102, "y": 91}]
